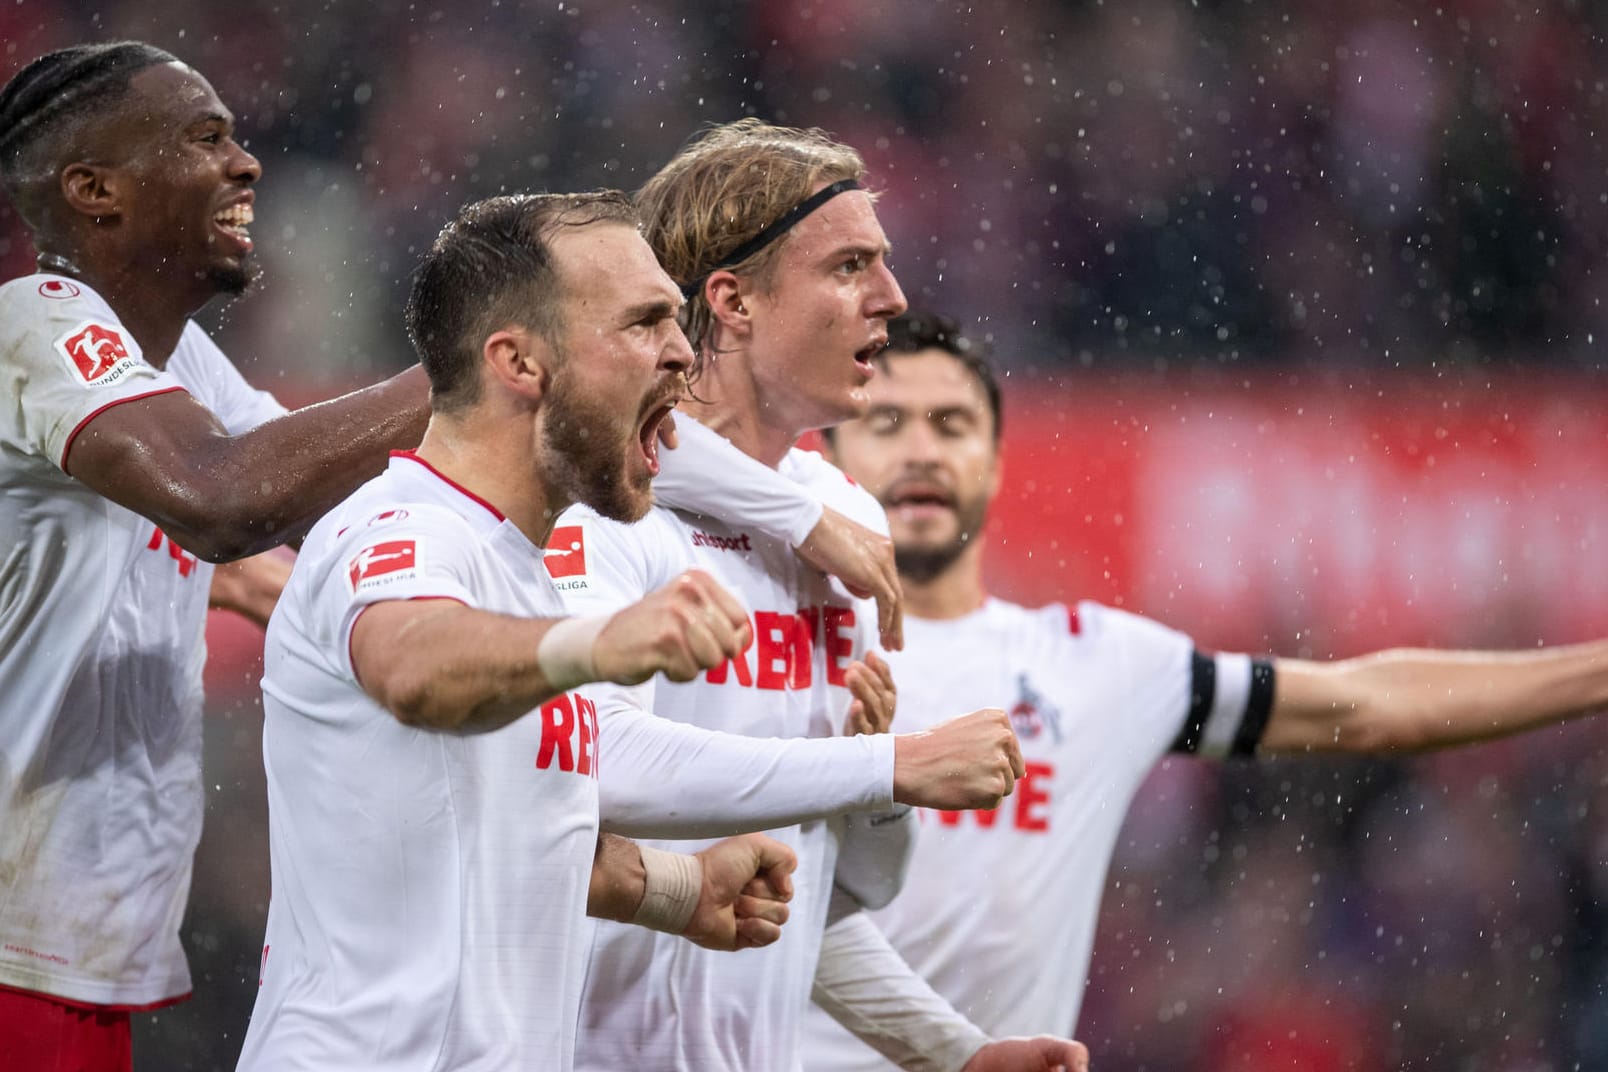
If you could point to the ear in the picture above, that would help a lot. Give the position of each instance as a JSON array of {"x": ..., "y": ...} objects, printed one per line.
[
  {"x": 724, "y": 292},
  {"x": 518, "y": 360},
  {"x": 91, "y": 190}
]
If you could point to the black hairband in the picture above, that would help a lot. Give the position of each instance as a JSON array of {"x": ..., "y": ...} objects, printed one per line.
[{"x": 770, "y": 234}]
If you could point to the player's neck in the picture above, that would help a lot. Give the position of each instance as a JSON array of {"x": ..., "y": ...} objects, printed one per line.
[
  {"x": 492, "y": 468},
  {"x": 954, "y": 593},
  {"x": 734, "y": 410}
]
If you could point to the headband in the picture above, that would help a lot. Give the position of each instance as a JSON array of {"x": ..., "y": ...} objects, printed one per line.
[{"x": 783, "y": 224}]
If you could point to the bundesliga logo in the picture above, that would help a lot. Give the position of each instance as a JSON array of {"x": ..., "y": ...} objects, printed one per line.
[
  {"x": 98, "y": 354},
  {"x": 391, "y": 556},
  {"x": 566, "y": 552}
]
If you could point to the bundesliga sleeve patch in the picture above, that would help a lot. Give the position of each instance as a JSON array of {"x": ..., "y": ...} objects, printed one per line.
[
  {"x": 566, "y": 552},
  {"x": 98, "y": 355},
  {"x": 383, "y": 563}
]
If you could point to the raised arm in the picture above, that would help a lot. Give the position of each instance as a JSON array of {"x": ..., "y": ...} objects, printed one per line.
[
  {"x": 439, "y": 665},
  {"x": 1409, "y": 700},
  {"x": 223, "y": 496}
]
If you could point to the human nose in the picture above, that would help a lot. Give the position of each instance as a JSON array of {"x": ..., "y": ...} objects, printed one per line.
[
  {"x": 887, "y": 297},
  {"x": 243, "y": 167},
  {"x": 676, "y": 355}
]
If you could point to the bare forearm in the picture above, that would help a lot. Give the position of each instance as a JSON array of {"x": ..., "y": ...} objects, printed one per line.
[
  {"x": 458, "y": 670},
  {"x": 618, "y": 880},
  {"x": 1409, "y": 700}
]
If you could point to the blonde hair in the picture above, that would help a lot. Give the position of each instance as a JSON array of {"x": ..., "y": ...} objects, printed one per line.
[{"x": 724, "y": 187}]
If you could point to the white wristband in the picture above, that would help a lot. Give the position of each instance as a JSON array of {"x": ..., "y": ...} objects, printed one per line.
[
  {"x": 672, "y": 885},
  {"x": 564, "y": 652}
]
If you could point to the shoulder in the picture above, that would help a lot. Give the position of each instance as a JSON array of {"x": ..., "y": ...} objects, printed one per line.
[
  {"x": 53, "y": 308},
  {"x": 835, "y": 488}
]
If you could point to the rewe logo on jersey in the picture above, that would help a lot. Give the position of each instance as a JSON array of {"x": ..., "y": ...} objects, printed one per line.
[
  {"x": 566, "y": 552},
  {"x": 97, "y": 353},
  {"x": 380, "y": 560}
]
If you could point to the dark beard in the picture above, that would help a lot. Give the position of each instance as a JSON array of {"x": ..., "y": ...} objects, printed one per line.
[
  {"x": 235, "y": 280},
  {"x": 926, "y": 564},
  {"x": 581, "y": 467}
]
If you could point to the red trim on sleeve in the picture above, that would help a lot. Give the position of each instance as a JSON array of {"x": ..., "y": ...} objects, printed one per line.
[
  {"x": 73, "y": 1003},
  {"x": 413, "y": 457},
  {"x": 351, "y": 659},
  {"x": 79, "y": 427}
]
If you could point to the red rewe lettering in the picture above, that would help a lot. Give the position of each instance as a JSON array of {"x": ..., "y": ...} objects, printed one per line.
[
  {"x": 178, "y": 554},
  {"x": 837, "y": 627},
  {"x": 1032, "y": 796},
  {"x": 558, "y": 725},
  {"x": 774, "y": 635},
  {"x": 586, "y": 725},
  {"x": 1028, "y": 803}
]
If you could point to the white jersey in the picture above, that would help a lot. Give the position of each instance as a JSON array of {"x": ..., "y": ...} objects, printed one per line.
[
  {"x": 102, "y": 642},
  {"x": 1000, "y": 908},
  {"x": 654, "y": 1002},
  {"x": 429, "y": 889}
]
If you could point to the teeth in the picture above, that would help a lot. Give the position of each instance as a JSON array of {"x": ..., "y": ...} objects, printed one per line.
[{"x": 235, "y": 215}]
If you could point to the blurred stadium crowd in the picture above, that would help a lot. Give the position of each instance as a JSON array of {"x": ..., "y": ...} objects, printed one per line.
[{"x": 1172, "y": 193}]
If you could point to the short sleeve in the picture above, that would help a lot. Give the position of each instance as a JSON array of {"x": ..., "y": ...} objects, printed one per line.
[
  {"x": 65, "y": 358},
  {"x": 400, "y": 554},
  {"x": 213, "y": 379}
]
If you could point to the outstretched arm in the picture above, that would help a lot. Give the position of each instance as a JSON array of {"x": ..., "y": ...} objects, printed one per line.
[
  {"x": 1409, "y": 700},
  {"x": 223, "y": 496}
]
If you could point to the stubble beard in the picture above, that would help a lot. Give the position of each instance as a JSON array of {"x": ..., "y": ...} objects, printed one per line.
[{"x": 923, "y": 564}]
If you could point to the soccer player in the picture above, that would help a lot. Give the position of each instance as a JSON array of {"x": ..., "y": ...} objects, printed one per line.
[
  {"x": 784, "y": 263},
  {"x": 1000, "y": 913},
  {"x": 132, "y": 456},
  {"x": 433, "y": 779}
]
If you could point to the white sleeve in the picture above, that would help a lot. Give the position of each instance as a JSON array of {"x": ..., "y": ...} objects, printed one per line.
[
  {"x": 63, "y": 361},
  {"x": 707, "y": 475},
  {"x": 665, "y": 779},
  {"x": 874, "y": 857},
  {"x": 863, "y": 984}
]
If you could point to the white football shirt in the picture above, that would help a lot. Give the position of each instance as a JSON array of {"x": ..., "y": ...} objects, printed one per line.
[
  {"x": 656, "y": 1002},
  {"x": 102, "y": 644},
  {"x": 429, "y": 889},
  {"x": 999, "y": 911}
]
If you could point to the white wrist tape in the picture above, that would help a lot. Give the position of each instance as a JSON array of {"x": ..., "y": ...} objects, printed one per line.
[
  {"x": 565, "y": 651},
  {"x": 674, "y": 881}
]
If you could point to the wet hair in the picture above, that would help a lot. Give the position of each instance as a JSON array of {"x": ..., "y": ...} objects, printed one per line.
[
  {"x": 492, "y": 267},
  {"x": 726, "y": 186},
  {"x": 912, "y": 333},
  {"x": 45, "y": 108}
]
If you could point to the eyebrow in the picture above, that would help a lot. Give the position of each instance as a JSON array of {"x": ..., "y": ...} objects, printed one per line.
[
  {"x": 858, "y": 247},
  {"x": 662, "y": 309}
]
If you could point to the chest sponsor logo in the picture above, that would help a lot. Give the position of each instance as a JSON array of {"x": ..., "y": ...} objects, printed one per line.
[
  {"x": 1032, "y": 714},
  {"x": 382, "y": 563},
  {"x": 58, "y": 288},
  {"x": 569, "y": 735},
  {"x": 97, "y": 353},
  {"x": 738, "y": 542},
  {"x": 1027, "y": 809},
  {"x": 566, "y": 552},
  {"x": 781, "y": 653}
]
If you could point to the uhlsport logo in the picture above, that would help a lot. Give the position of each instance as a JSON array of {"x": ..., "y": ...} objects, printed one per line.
[
  {"x": 566, "y": 552},
  {"x": 380, "y": 560},
  {"x": 97, "y": 353}
]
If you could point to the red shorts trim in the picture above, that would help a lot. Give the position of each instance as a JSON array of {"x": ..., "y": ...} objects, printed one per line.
[{"x": 39, "y": 1033}]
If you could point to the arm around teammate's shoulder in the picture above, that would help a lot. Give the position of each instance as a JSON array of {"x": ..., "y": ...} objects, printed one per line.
[
  {"x": 1407, "y": 700},
  {"x": 222, "y": 496}
]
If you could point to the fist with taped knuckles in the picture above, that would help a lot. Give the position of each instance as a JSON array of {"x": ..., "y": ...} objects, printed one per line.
[
  {"x": 968, "y": 762},
  {"x": 680, "y": 630},
  {"x": 1041, "y": 1053}
]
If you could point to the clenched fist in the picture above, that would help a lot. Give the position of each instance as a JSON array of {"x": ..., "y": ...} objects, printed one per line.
[
  {"x": 680, "y": 630},
  {"x": 968, "y": 762}
]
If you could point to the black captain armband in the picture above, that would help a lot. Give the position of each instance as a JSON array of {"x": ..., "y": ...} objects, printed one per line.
[{"x": 1230, "y": 701}]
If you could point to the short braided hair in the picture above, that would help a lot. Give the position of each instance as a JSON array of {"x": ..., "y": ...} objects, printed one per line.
[{"x": 49, "y": 99}]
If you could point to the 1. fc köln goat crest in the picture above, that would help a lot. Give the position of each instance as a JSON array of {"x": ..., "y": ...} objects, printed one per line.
[{"x": 1032, "y": 714}]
